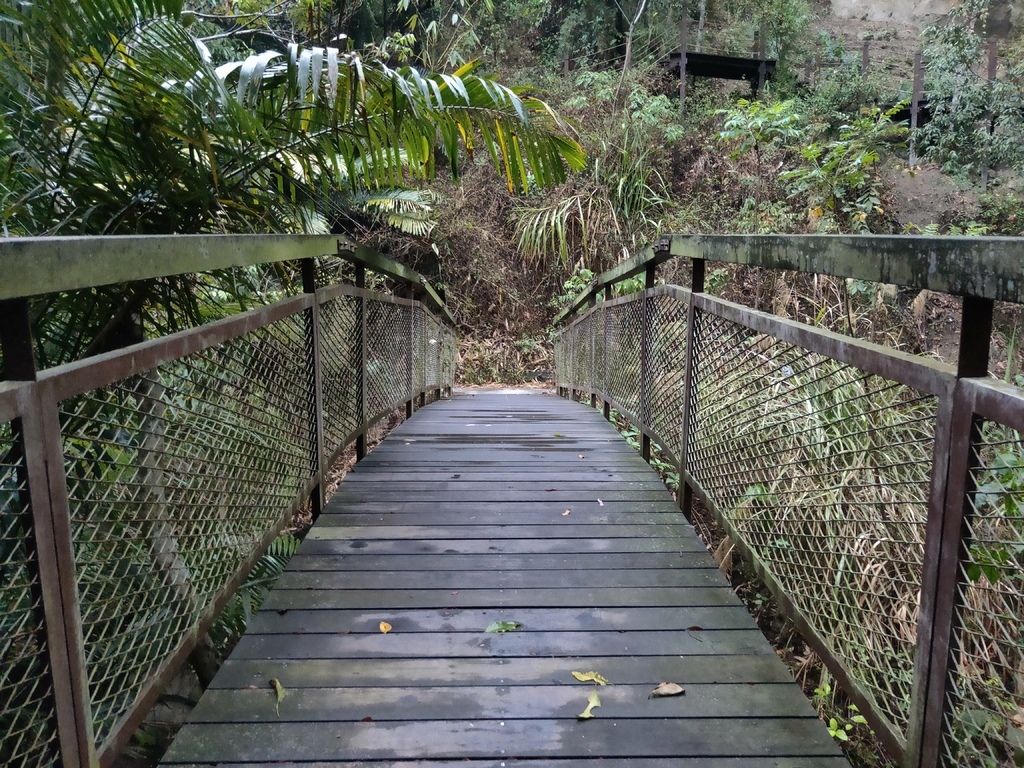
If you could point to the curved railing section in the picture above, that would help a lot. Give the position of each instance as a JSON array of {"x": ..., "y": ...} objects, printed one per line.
[
  {"x": 138, "y": 487},
  {"x": 879, "y": 495}
]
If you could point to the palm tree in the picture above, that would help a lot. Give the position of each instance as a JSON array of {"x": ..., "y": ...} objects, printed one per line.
[{"x": 114, "y": 120}]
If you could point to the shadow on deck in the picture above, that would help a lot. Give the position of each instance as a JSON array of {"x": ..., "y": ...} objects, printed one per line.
[{"x": 503, "y": 506}]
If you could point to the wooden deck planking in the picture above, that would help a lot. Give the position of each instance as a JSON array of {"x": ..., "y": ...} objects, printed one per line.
[{"x": 455, "y": 521}]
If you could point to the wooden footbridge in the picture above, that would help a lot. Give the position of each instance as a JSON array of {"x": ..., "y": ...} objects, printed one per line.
[
  {"x": 457, "y": 521},
  {"x": 878, "y": 494}
]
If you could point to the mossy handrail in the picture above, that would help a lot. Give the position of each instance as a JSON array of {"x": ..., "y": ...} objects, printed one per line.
[{"x": 980, "y": 267}]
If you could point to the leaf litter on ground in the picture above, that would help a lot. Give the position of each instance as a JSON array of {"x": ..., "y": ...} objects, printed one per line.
[{"x": 385, "y": 627}]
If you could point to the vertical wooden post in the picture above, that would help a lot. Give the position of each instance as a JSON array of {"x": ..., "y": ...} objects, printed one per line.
[
  {"x": 865, "y": 57},
  {"x": 314, "y": 365},
  {"x": 592, "y": 302},
  {"x": 915, "y": 104},
  {"x": 45, "y": 516},
  {"x": 683, "y": 34},
  {"x": 410, "y": 378},
  {"x": 646, "y": 329},
  {"x": 993, "y": 62},
  {"x": 948, "y": 543},
  {"x": 364, "y": 357},
  {"x": 685, "y": 497}
]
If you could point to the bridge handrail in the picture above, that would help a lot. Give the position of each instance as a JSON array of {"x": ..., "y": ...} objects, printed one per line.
[
  {"x": 33, "y": 266},
  {"x": 980, "y": 267},
  {"x": 878, "y": 494},
  {"x": 140, "y": 486}
]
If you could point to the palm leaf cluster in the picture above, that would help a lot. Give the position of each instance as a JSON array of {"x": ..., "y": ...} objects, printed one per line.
[{"x": 115, "y": 119}]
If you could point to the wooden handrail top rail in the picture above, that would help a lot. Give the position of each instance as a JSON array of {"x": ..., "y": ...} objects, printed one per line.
[
  {"x": 982, "y": 267},
  {"x": 34, "y": 266}
]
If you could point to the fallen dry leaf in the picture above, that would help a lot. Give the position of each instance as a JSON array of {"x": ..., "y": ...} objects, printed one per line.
[
  {"x": 278, "y": 694},
  {"x": 668, "y": 689},
  {"x": 385, "y": 627},
  {"x": 600, "y": 503},
  {"x": 591, "y": 677},
  {"x": 583, "y": 456},
  {"x": 455, "y": 592},
  {"x": 592, "y": 701},
  {"x": 566, "y": 513}
]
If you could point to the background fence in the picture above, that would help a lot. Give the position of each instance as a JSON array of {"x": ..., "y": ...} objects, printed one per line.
[
  {"x": 879, "y": 495},
  {"x": 139, "y": 487}
]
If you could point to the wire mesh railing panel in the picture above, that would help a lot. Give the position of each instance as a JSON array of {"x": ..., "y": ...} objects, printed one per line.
[
  {"x": 561, "y": 363},
  {"x": 823, "y": 472},
  {"x": 667, "y": 367},
  {"x": 985, "y": 711},
  {"x": 387, "y": 344},
  {"x": 418, "y": 320},
  {"x": 433, "y": 352},
  {"x": 625, "y": 328},
  {"x": 341, "y": 366},
  {"x": 174, "y": 477},
  {"x": 28, "y": 732},
  {"x": 583, "y": 358}
]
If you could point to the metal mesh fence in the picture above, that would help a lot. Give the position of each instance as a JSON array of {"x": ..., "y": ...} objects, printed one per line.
[
  {"x": 823, "y": 471},
  {"x": 985, "y": 712},
  {"x": 341, "y": 365},
  {"x": 174, "y": 476},
  {"x": 28, "y": 732},
  {"x": 667, "y": 363},
  {"x": 625, "y": 327},
  {"x": 387, "y": 364}
]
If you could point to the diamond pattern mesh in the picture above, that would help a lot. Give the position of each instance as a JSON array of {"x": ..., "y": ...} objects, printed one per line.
[
  {"x": 985, "y": 716},
  {"x": 625, "y": 326},
  {"x": 28, "y": 732},
  {"x": 341, "y": 366},
  {"x": 387, "y": 330},
  {"x": 823, "y": 471},
  {"x": 174, "y": 476},
  {"x": 667, "y": 368}
]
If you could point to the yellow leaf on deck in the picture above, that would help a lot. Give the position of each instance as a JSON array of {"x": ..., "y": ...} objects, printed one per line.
[
  {"x": 278, "y": 694},
  {"x": 385, "y": 627},
  {"x": 591, "y": 677},
  {"x": 593, "y": 701}
]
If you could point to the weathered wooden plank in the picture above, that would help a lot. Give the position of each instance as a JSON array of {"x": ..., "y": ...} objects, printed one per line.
[
  {"x": 593, "y": 561},
  {"x": 405, "y": 673},
  {"x": 483, "y": 495},
  {"x": 453, "y": 546},
  {"x": 601, "y": 597},
  {"x": 517, "y": 532},
  {"x": 551, "y": 514},
  {"x": 582, "y": 619},
  {"x": 439, "y": 645},
  {"x": 526, "y": 702},
  {"x": 709, "y": 576},
  {"x": 495, "y": 475},
  {"x": 671, "y": 762},
  {"x": 705, "y": 737}
]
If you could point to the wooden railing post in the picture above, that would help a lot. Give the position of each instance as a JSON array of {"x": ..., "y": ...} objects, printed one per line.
[
  {"x": 685, "y": 497},
  {"x": 364, "y": 357},
  {"x": 315, "y": 380},
  {"x": 646, "y": 329},
  {"x": 48, "y": 542},
  {"x": 593, "y": 355},
  {"x": 947, "y": 544}
]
